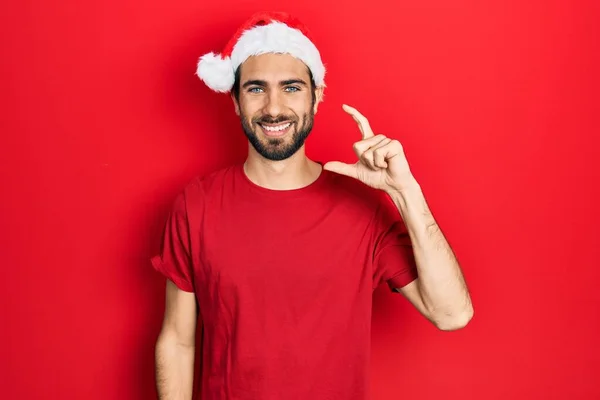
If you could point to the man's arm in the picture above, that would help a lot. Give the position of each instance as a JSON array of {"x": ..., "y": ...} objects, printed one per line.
[
  {"x": 440, "y": 292},
  {"x": 175, "y": 346}
]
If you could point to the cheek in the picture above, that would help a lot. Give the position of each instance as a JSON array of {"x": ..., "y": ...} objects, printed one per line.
[
  {"x": 301, "y": 105},
  {"x": 250, "y": 106}
]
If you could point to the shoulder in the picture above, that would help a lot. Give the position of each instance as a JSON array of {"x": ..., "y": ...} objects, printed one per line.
[
  {"x": 211, "y": 180},
  {"x": 201, "y": 187},
  {"x": 352, "y": 191}
]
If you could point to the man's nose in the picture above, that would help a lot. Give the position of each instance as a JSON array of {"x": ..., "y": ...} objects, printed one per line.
[{"x": 274, "y": 103}]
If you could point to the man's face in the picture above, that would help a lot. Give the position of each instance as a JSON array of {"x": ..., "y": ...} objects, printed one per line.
[{"x": 276, "y": 104}]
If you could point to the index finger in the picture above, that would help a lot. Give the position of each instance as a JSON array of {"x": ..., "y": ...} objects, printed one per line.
[{"x": 361, "y": 120}]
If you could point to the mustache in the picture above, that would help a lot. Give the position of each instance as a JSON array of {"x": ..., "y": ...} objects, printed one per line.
[{"x": 273, "y": 120}]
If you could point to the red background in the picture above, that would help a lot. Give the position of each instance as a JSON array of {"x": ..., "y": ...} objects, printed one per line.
[{"x": 496, "y": 103}]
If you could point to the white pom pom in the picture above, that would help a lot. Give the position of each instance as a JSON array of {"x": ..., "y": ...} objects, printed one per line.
[{"x": 216, "y": 72}]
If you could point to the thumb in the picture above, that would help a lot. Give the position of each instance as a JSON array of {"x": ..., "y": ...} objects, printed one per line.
[{"x": 341, "y": 168}]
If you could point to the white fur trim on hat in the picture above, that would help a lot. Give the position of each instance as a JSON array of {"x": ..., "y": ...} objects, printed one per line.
[
  {"x": 219, "y": 73},
  {"x": 216, "y": 72}
]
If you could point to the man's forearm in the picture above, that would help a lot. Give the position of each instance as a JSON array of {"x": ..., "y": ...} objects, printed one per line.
[
  {"x": 441, "y": 284},
  {"x": 174, "y": 369}
]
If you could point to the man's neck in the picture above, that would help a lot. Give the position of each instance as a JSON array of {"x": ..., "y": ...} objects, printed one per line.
[{"x": 293, "y": 173}]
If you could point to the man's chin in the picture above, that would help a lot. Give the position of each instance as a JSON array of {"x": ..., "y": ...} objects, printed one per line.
[{"x": 276, "y": 149}]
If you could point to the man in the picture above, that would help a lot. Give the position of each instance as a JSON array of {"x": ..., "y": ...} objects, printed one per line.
[{"x": 277, "y": 258}]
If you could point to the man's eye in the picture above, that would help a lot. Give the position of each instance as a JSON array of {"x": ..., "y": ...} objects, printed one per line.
[
  {"x": 254, "y": 90},
  {"x": 292, "y": 89}
]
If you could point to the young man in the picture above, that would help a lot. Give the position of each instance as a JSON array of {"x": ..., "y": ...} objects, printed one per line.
[{"x": 277, "y": 258}]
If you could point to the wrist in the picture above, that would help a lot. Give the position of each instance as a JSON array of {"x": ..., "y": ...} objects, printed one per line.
[
  {"x": 409, "y": 187},
  {"x": 410, "y": 202}
]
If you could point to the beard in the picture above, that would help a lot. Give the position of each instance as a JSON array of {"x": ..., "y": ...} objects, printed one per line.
[{"x": 277, "y": 149}]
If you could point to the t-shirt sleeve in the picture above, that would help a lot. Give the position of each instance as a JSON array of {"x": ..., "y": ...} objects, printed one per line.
[
  {"x": 174, "y": 260},
  {"x": 394, "y": 261}
]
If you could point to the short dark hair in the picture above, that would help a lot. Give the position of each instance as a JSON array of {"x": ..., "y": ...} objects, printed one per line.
[{"x": 235, "y": 90}]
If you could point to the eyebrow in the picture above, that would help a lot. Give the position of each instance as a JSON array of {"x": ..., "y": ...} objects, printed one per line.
[{"x": 259, "y": 82}]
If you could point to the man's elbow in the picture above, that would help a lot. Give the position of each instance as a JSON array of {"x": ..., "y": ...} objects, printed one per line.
[
  {"x": 169, "y": 339},
  {"x": 455, "y": 321}
]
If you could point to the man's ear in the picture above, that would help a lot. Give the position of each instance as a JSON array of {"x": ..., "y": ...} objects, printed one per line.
[
  {"x": 235, "y": 104},
  {"x": 318, "y": 97}
]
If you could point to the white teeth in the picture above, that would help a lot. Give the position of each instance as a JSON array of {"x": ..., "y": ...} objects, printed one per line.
[{"x": 276, "y": 128}]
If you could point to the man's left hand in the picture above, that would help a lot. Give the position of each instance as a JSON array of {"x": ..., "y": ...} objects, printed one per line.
[{"x": 381, "y": 162}]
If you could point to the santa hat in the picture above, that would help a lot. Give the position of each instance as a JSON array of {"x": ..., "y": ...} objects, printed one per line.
[{"x": 273, "y": 32}]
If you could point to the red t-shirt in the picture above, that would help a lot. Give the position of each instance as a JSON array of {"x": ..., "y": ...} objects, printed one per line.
[{"x": 284, "y": 282}]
